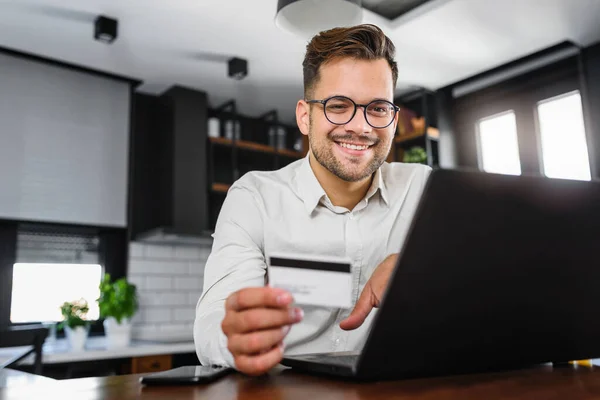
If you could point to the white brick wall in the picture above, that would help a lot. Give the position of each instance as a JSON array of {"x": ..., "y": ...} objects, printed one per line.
[
  {"x": 159, "y": 282},
  {"x": 169, "y": 281}
]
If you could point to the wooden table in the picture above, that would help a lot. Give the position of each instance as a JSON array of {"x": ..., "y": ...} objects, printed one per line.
[{"x": 571, "y": 383}]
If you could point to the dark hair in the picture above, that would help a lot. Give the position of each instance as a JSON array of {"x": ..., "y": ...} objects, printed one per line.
[{"x": 363, "y": 42}]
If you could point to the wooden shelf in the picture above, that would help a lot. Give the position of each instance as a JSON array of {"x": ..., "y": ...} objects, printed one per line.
[
  {"x": 290, "y": 153},
  {"x": 221, "y": 141},
  {"x": 220, "y": 187},
  {"x": 432, "y": 133},
  {"x": 258, "y": 147},
  {"x": 243, "y": 144}
]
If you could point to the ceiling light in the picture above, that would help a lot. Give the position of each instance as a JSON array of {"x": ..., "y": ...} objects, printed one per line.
[
  {"x": 237, "y": 68},
  {"x": 105, "y": 29},
  {"x": 306, "y": 18}
]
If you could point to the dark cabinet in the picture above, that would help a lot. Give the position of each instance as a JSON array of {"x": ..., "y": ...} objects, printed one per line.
[{"x": 169, "y": 176}]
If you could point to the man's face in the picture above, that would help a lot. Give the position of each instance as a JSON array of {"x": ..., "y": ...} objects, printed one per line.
[{"x": 335, "y": 146}]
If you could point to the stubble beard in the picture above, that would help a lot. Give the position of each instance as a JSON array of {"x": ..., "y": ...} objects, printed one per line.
[{"x": 322, "y": 150}]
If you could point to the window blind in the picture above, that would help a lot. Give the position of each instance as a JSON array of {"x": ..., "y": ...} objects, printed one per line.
[{"x": 63, "y": 144}]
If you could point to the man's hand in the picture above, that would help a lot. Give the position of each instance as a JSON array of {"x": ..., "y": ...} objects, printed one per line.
[
  {"x": 256, "y": 321},
  {"x": 371, "y": 294}
]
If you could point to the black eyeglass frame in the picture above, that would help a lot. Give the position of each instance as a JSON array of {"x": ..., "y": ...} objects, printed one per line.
[{"x": 356, "y": 105}]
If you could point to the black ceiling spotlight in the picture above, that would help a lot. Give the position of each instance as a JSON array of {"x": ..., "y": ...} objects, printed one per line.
[
  {"x": 237, "y": 68},
  {"x": 105, "y": 29}
]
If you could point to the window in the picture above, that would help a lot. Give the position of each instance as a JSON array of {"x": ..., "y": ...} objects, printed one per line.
[
  {"x": 562, "y": 136},
  {"x": 498, "y": 145},
  {"x": 43, "y": 265},
  {"x": 53, "y": 267},
  {"x": 39, "y": 290},
  {"x": 523, "y": 86}
]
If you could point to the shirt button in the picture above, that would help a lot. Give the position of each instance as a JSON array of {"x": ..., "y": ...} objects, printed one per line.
[
  {"x": 351, "y": 216},
  {"x": 336, "y": 342}
]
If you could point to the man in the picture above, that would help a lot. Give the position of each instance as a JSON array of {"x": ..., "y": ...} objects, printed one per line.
[{"x": 343, "y": 199}]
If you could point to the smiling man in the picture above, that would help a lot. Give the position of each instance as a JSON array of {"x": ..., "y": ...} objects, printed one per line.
[{"x": 342, "y": 200}]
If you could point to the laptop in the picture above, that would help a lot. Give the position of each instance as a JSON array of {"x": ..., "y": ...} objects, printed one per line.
[{"x": 497, "y": 272}]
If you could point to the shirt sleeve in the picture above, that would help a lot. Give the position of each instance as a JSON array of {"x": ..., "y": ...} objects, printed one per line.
[{"x": 236, "y": 261}]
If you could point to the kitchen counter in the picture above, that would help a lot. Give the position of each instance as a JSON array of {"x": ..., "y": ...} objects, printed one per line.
[{"x": 59, "y": 352}]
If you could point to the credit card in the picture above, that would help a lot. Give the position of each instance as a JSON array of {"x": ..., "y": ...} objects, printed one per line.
[{"x": 324, "y": 282}]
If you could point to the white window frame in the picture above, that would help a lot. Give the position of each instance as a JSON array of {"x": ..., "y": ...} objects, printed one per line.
[
  {"x": 538, "y": 130},
  {"x": 478, "y": 138}
]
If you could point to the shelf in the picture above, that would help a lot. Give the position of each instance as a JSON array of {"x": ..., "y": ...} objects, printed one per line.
[
  {"x": 220, "y": 187},
  {"x": 432, "y": 133},
  {"x": 258, "y": 147},
  {"x": 290, "y": 153},
  {"x": 221, "y": 141},
  {"x": 243, "y": 144}
]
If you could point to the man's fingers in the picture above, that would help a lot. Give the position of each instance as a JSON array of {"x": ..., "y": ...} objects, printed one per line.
[
  {"x": 257, "y": 342},
  {"x": 259, "y": 364},
  {"x": 258, "y": 297},
  {"x": 259, "y": 319},
  {"x": 360, "y": 312},
  {"x": 265, "y": 318}
]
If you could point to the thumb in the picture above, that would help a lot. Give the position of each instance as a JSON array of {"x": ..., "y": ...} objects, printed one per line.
[{"x": 360, "y": 312}]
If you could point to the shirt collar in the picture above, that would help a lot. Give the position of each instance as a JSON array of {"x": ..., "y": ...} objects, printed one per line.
[
  {"x": 311, "y": 191},
  {"x": 309, "y": 188},
  {"x": 378, "y": 184}
]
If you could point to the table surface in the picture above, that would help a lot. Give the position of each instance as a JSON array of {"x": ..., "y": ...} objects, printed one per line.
[{"x": 569, "y": 382}]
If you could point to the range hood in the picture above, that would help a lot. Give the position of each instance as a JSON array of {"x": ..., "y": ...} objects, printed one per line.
[
  {"x": 170, "y": 236},
  {"x": 170, "y": 196}
]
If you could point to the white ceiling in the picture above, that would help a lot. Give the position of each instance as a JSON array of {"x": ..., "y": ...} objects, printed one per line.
[{"x": 446, "y": 41}]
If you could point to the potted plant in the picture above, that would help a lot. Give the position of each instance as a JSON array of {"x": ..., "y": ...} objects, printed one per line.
[
  {"x": 118, "y": 303},
  {"x": 415, "y": 154},
  {"x": 74, "y": 322}
]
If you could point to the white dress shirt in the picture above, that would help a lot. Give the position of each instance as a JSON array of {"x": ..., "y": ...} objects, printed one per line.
[{"x": 287, "y": 211}]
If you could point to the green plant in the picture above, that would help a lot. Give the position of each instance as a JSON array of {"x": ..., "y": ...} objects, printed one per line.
[
  {"x": 74, "y": 314},
  {"x": 117, "y": 299},
  {"x": 415, "y": 154}
]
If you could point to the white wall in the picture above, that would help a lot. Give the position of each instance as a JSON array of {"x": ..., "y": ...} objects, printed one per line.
[{"x": 169, "y": 280}]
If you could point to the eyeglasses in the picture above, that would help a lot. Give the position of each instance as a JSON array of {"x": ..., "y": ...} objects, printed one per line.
[{"x": 339, "y": 110}]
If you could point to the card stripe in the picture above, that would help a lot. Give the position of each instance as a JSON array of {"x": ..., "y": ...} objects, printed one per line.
[{"x": 314, "y": 265}]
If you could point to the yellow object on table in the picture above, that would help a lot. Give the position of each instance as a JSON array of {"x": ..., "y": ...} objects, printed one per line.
[{"x": 583, "y": 363}]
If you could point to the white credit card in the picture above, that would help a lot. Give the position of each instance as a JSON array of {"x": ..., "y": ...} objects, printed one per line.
[{"x": 325, "y": 282}]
